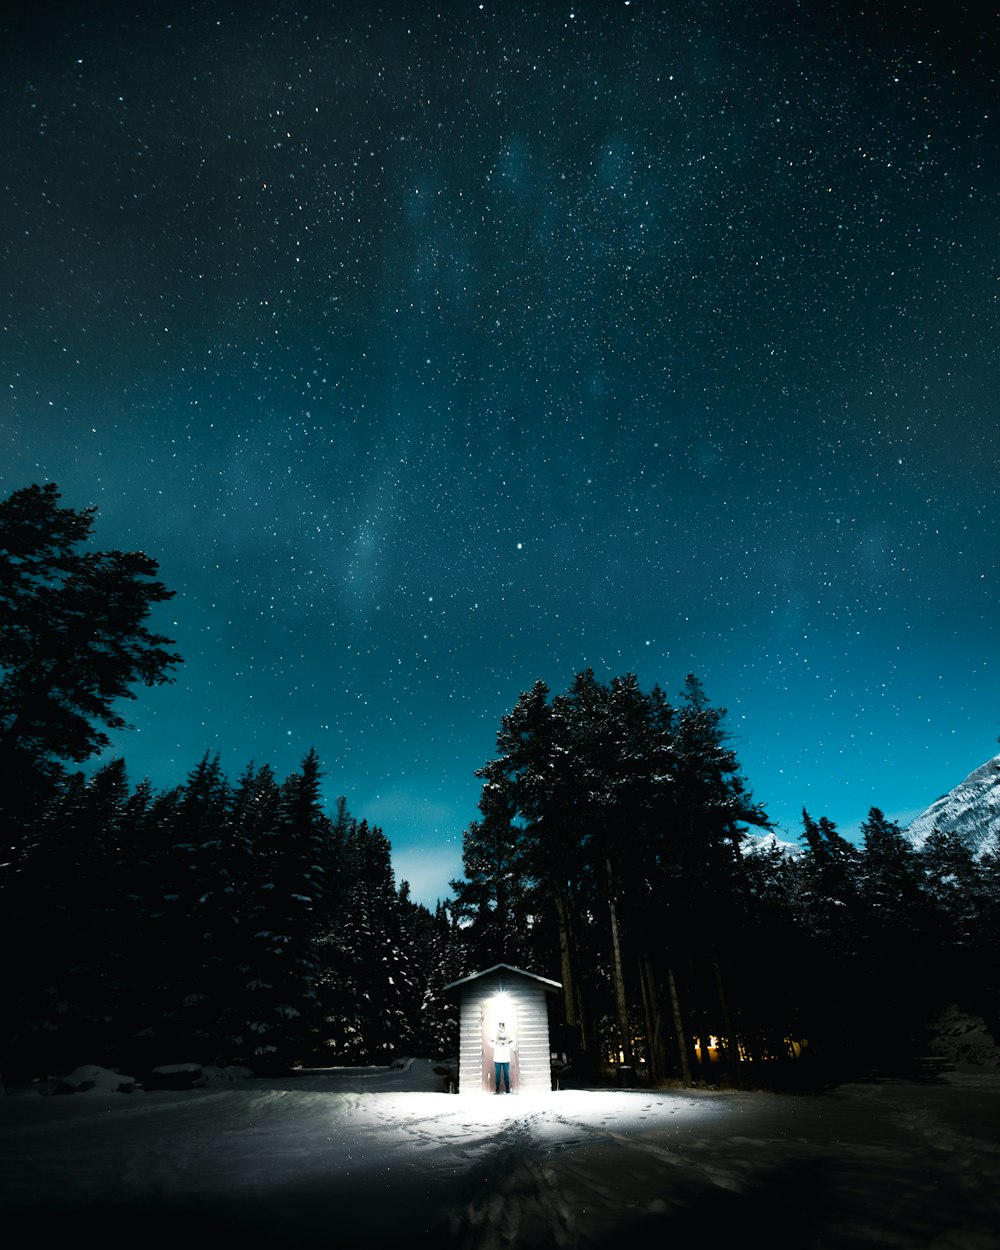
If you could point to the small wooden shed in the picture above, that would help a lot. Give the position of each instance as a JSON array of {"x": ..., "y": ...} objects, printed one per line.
[{"x": 520, "y": 1000}]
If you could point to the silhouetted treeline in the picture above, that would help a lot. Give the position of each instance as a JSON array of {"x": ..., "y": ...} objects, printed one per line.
[
  {"x": 235, "y": 920},
  {"x": 238, "y": 920},
  {"x": 220, "y": 922},
  {"x": 612, "y": 854}
]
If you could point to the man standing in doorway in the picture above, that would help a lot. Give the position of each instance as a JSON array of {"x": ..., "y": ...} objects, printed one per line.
[{"x": 503, "y": 1044}]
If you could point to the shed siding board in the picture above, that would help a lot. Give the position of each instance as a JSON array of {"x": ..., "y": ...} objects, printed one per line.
[{"x": 531, "y": 1070}]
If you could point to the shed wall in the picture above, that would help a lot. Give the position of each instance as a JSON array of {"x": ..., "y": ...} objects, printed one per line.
[{"x": 531, "y": 1070}]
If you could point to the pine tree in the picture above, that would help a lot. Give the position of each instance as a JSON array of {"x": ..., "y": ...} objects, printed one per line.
[
  {"x": 249, "y": 841},
  {"x": 369, "y": 991},
  {"x": 829, "y": 894},
  {"x": 697, "y": 879},
  {"x": 434, "y": 959},
  {"x": 950, "y": 883},
  {"x": 626, "y": 820},
  {"x": 147, "y": 831},
  {"x": 285, "y": 902},
  {"x": 534, "y": 776},
  {"x": 446, "y": 963},
  {"x": 491, "y": 899},
  {"x": 898, "y": 992},
  {"x": 66, "y": 910},
  {"x": 774, "y": 1012},
  {"x": 156, "y": 881},
  {"x": 888, "y": 872},
  {"x": 205, "y": 910},
  {"x": 73, "y": 639}
]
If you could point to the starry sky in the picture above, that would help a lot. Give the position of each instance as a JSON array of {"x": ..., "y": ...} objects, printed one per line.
[{"x": 436, "y": 348}]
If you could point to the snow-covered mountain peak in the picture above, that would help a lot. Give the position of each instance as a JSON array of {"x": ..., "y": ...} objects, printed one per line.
[
  {"x": 767, "y": 843},
  {"x": 971, "y": 809}
]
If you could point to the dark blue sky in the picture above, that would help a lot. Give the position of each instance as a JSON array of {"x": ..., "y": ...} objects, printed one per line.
[{"x": 433, "y": 349}]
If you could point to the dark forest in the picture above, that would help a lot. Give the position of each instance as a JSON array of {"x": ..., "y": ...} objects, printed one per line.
[{"x": 617, "y": 850}]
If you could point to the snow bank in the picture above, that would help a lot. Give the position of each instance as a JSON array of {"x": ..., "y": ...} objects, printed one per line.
[{"x": 963, "y": 1039}]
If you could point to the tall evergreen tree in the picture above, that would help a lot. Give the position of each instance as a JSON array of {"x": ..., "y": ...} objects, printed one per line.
[
  {"x": 491, "y": 899},
  {"x": 627, "y": 820},
  {"x": 369, "y": 990},
  {"x": 67, "y": 909},
  {"x": 951, "y": 883},
  {"x": 829, "y": 885},
  {"x": 204, "y": 899},
  {"x": 888, "y": 872},
  {"x": 284, "y": 907},
  {"x": 896, "y": 975},
  {"x": 249, "y": 842},
  {"x": 73, "y": 638},
  {"x": 435, "y": 958},
  {"x": 444, "y": 962},
  {"x": 534, "y": 777}
]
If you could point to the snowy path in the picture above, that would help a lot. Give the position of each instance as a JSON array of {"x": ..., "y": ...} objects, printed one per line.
[{"x": 344, "y": 1159}]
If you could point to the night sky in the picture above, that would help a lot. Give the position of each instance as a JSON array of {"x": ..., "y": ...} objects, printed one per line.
[{"x": 436, "y": 348}]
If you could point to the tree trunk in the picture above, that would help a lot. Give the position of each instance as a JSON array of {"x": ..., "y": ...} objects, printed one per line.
[
  {"x": 656, "y": 1052},
  {"x": 675, "y": 1007},
  {"x": 618, "y": 975},
  {"x": 647, "y": 1015},
  {"x": 565, "y": 962},
  {"x": 732, "y": 1041}
]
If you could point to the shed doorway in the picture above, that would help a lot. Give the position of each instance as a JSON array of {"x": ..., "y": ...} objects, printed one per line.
[{"x": 496, "y": 1011}]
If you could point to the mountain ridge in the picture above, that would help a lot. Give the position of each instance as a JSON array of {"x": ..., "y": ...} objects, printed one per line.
[{"x": 971, "y": 809}]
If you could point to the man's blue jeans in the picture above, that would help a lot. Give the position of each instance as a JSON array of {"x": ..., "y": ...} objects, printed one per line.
[{"x": 504, "y": 1070}]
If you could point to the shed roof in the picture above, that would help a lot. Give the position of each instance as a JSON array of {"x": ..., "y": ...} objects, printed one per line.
[{"x": 550, "y": 986}]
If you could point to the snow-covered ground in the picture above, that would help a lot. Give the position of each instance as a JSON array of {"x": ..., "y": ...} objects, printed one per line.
[{"x": 382, "y": 1157}]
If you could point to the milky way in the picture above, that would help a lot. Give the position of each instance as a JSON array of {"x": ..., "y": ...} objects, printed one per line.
[{"x": 433, "y": 349}]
